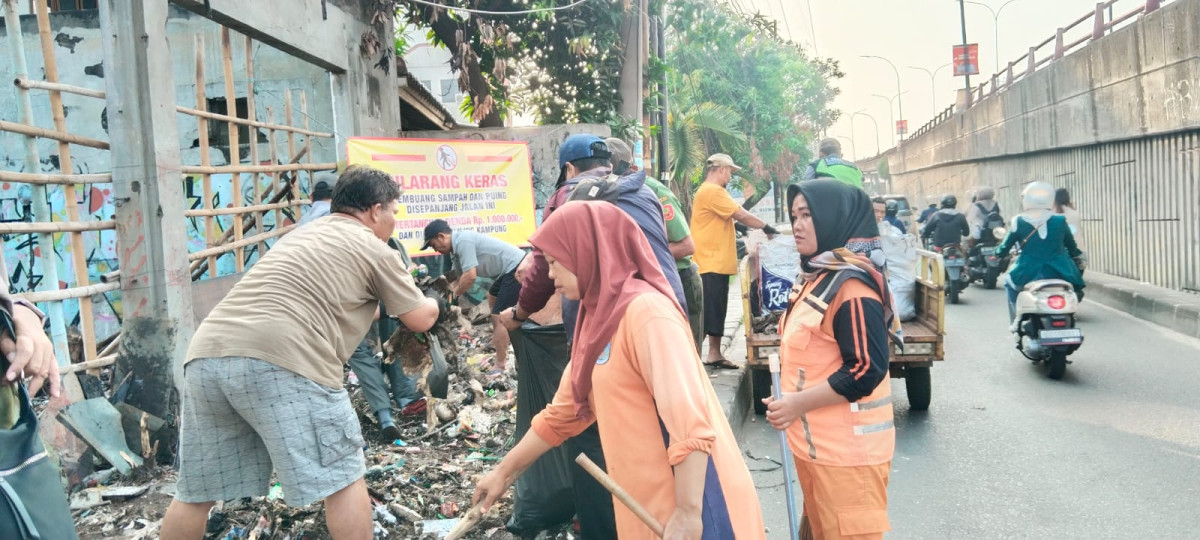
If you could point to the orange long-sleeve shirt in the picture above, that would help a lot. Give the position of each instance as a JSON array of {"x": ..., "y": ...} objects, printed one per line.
[{"x": 652, "y": 387}]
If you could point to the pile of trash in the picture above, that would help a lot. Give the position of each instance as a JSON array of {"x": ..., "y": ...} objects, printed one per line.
[{"x": 420, "y": 484}]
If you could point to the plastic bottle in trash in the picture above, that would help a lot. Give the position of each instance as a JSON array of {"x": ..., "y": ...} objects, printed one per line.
[{"x": 420, "y": 271}]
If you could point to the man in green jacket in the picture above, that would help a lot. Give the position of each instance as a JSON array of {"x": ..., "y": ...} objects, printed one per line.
[
  {"x": 831, "y": 165},
  {"x": 679, "y": 235}
]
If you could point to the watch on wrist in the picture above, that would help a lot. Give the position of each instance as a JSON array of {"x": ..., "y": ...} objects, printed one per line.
[{"x": 515, "y": 317}]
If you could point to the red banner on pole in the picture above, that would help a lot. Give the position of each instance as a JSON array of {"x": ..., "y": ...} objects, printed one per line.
[
  {"x": 966, "y": 60},
  {"x": 901, "y": 127}
]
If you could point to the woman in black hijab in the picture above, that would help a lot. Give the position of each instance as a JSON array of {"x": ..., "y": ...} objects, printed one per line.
[{"x": 837, "y": 402}]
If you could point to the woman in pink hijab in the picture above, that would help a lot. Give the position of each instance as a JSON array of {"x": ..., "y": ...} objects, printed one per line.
[{"x": 633, "y": 369}]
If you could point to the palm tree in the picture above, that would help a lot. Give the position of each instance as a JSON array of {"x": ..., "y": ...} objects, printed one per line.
[{"x": 694, "y": 132}]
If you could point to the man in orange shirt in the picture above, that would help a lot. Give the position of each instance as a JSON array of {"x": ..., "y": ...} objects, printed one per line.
[{"x": 713, "y": 214}]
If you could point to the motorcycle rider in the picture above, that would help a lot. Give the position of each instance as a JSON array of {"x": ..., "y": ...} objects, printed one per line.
[
  {"x": 984, "y": 215},
  {"x": 947, "y": 225},
  {"x": 928, "y": 212},
  {"x": 1045, "y": 242}
]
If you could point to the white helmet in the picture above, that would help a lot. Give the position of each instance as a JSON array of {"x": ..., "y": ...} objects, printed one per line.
[{"x": 1038, "y": 196}]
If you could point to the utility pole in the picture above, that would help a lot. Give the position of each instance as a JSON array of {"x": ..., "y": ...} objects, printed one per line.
[
  {"x": 962, "y": 15},
  {"x": 155, "y": 280},
  {"x": 635, "y": 41}
]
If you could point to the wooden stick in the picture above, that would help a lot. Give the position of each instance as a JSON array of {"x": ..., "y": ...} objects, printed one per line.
[
  {"x": 274, "y": 159},
  {"x": 226, "y": 248},
  {"x": 59, "y": 179},
  {"x": 252, "y": 114},
  {"x": 307, "y": 148},
  {"x": 79, "y": 263},
  {"x": 90, "y": 365},
  {"x": 228, "y": 169},
  {"x": 58, "y": 295},
  {"x": 619, "y": 493},
  {"x": 33, "y": 131},
  {"x": 466, "y": 523},
  {"x": 111, "y": 348},
  {"x": 210, "y": 224},
  {"x": 20, "y": 227},
  {"x": 111, "y": 277},
  {"x": 258, "y": 208},
  {"x": 235, "y": 149}
]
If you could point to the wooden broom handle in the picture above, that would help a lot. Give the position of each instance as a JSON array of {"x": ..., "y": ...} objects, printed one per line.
[{"x": 621, "y": 495}]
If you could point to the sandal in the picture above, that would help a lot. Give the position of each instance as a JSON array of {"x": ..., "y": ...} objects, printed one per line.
[{"x": 723, "y": 363}]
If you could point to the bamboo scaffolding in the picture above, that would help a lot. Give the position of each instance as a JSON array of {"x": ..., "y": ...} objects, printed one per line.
[
  {"x": 55, "y": 179},
  {"x": 252, "y": 114},
  {"x": 258, "y": 208},
  {"x": 235, "y": 148},
  {"x": 79, "y": 263},
  {"x": 228, "y": 169},
  {"x": 210, "y": 223},
  {"x": 29, "y": 84},
  {"x": 111, "y": 277},
  {"x": 291, "y": 143},
  {"x": 21, "y": 227},
  {"x": 307, "y": 142},
  {"x": 34, "y": 131},
  {"x": 274, "y": 159},
  {"x": 59, "y": 295},
  {"x": 111, "y": 348},
  {"x": 232, "y": 246}
]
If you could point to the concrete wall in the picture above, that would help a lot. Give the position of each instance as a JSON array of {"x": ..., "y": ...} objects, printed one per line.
[
  {"x": 1117, "y": 123},
  {"x": 543, "y": 147}
]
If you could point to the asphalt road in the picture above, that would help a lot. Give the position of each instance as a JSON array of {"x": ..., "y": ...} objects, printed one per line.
[{"x": 1110, "y": 451}]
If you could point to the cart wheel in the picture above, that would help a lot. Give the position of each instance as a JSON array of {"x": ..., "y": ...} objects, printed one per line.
[
  {"x": 916, "y": 381},
  {"x": 760, "y": 381}
]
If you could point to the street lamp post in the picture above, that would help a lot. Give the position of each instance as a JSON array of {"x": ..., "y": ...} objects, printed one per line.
[
  {"x": 995, "y": 28},
  {"x": 932, "y": 84},
  {"x": 900, "y": 102},
  {"x": 891, "y": 101},
  {"x": 873, "y": 122}
]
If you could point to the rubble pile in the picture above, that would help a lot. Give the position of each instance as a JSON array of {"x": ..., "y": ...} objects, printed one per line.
[
  {"x": 767, "y": 324},
  {"x": 421, "y": 484}
]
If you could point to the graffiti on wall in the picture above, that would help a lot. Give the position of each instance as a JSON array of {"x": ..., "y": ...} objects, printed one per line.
[{"x": 22, "y": 252}]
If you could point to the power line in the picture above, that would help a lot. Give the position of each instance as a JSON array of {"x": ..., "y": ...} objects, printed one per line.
[
  {"x": 788, "y": 25},
  {"x": 485, "y": 12},
  {"x": 811, "y": 28}
]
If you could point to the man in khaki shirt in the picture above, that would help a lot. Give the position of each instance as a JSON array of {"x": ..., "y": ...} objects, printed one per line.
[{"x": 262, "y": 388}]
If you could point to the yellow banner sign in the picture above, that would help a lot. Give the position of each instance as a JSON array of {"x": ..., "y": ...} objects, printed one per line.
[{"x": 485, "y": 186}]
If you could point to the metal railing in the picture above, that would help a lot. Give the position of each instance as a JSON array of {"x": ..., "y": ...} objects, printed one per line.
[{"x": 1037, "y": 58}]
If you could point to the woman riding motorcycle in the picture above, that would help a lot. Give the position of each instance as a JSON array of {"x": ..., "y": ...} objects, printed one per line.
[{"x": 1045, "y": 242}]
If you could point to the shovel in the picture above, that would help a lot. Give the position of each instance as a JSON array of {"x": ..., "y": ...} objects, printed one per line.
[{"x": 784, "y": 451}]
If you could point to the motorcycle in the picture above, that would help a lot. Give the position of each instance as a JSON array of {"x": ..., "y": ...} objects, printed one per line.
[
  {"x": 1044, "y": 322},
  {"x": 957, "y": 276},
  {"x": 983, "y": 264}
]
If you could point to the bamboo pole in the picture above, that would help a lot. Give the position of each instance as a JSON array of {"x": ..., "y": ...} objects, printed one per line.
[
  {"x": 252, "y": 114},
  {"x": 228, "y": 169},
  {"x": 111, "y": 277},
  {"x": 232, "y": 246},
  {"x": 210, "y": 224},
  {"x": 291, "y": 145},
  {"x": 103, "y": 361},
  {"x": 235, "y": 149},
  {"x": 307, "y": 144},
  {"x": 34, "y": 131},
  {"x": 58, "y": 295},
  {"x": 111, "y": 348},
  {"x": 620, "y": 494},
  {"x": 55, "y": 179},
  {"x": 29, "y": 84},
  {"x": 87, "y": 328},
  {"x": 258, "y": 208},
  {"x": 40, "y": 227},
  {"x": 274, "y": 159}
]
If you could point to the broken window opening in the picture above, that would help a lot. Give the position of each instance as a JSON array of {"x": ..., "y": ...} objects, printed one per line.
[
  {"x": 70, "y": 5},
  {"x": 218, "y": 130}
]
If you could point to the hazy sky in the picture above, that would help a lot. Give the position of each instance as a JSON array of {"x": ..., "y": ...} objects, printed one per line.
[{"x": 913, "y": 33}]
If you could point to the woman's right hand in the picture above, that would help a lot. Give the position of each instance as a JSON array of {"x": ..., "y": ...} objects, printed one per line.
[{"x": 491, "y": 487}]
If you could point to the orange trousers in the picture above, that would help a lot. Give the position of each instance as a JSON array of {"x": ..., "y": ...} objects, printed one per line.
[{"x": 844, "y": 503}]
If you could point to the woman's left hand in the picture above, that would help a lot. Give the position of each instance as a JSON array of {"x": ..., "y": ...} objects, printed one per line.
[
  {"x": 781, "y": 413},
  {"x": 683, "y": 525}
]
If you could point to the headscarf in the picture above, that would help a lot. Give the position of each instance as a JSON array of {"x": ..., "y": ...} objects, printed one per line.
[
  {"x": 847, "y": 240},
  {"x": 614, "y": 264}
]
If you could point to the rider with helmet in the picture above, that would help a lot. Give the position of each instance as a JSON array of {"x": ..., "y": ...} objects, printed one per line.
[
  {"x": 946, "y": 226},
  {"x": 1045, "y": 243},
  {"x": 984, "y": 215}
]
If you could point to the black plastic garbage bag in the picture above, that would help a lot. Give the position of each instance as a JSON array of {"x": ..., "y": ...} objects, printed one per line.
[{"x": 545, "y": 494}]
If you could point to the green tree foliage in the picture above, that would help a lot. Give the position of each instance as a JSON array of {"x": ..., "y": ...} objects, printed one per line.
[{"x": 779, "y": 95}]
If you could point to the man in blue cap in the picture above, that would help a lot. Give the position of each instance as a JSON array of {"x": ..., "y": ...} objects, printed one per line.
[{"x": 585, "y": 159}]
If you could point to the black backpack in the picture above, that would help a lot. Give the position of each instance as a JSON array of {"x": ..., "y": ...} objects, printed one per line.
[{"x": 991, "y": 219}]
